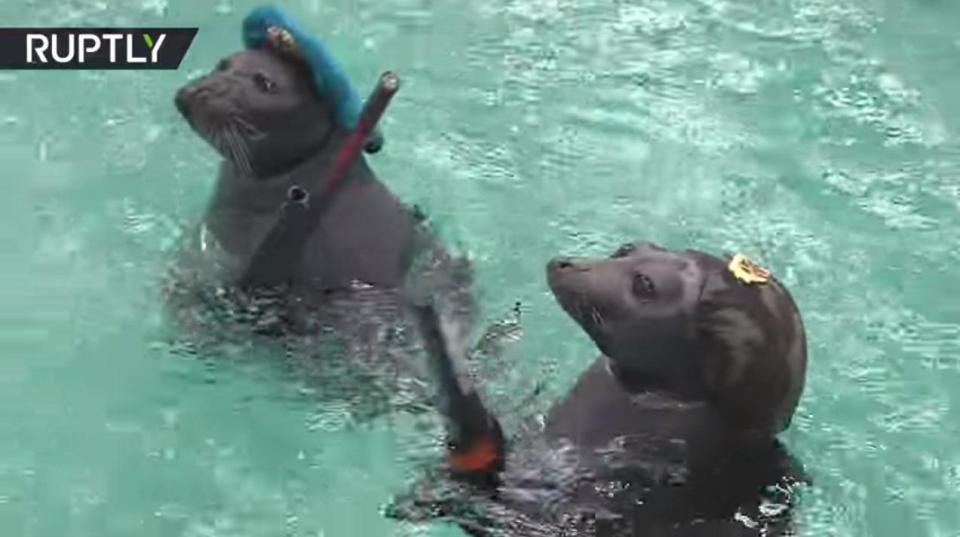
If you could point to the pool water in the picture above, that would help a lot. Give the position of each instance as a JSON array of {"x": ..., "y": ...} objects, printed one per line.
[{"x": 820, "y": 137}]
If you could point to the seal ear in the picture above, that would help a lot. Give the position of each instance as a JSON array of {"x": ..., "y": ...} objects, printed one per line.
[{"x": 753, "y": 346}]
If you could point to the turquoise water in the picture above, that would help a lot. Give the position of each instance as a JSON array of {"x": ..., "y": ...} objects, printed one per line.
[{"x": 818, "y": 136}]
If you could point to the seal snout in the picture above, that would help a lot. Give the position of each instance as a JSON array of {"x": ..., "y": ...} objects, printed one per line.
[
  {"x": 559, "y": 264},
  {"x": 564, "y": 277},
  {"x": 181, "y": 100},
  {"x": 565, "y": 264},
  {"x": 201, "y": 94},
  {"x": 189, "y": 96},
  {"x": 561, "y": 271}
]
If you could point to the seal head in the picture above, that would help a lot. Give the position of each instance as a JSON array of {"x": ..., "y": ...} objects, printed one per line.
[
  {"x": 259, "y": 110},
  {"x": 269, "y": 26},
  {"x": 694, "y": 325}
]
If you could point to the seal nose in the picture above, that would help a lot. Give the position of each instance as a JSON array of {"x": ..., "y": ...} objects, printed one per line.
[
  {"x": 563, "y": 264},
  {"x": 180, "y": 100},
  {"x": 189, "y": 95}
]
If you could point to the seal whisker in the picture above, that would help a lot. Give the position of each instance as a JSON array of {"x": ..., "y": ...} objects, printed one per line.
[
  {"x": 577, "y": 307},
  {"x": 249, "y": 128},
  {"x": 245, "y": 150},
  {"x": 238, "y": 150},
  {"x": 581, "y": 304},
  {"x": 243, "y": 146},
  {"x": 221, "y": 139},
  {"x": 215, "y": 137},
  {"x": 220, "y": 136},
  {"x": 232, "y": 150},
  {"x": 597, "y": 316}
]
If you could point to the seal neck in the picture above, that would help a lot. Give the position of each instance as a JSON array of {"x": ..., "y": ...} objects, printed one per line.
[
  {"x": 320, "y": 153},
  {"x": 676, "y": 386},
  {"x": 266, "y": 193}
]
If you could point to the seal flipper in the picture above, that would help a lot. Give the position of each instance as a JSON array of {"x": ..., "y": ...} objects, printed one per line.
[{"x": 475, "y": 447}]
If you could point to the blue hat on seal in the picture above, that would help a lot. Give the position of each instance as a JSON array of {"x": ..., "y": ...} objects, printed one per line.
[{"x": 268, "y": 26}]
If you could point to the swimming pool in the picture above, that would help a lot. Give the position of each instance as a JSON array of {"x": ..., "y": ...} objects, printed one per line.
[{"x": 820, "y": 137}]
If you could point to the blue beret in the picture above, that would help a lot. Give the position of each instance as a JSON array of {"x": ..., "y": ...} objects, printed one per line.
[{"x": 271, "y": 27}]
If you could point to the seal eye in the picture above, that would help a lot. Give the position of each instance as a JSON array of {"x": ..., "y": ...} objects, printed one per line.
[
  {"x": 624, "y": 251},
  {"x": 223, "y": 65},
  {"x": 263, "y": 82},
  {"x": 643, "y": 286}
]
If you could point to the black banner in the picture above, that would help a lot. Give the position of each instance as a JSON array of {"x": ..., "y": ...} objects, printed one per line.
[{"x": 94, "y": 48}]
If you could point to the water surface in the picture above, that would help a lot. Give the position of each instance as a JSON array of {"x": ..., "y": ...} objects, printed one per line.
[{"x": 819, "y": 137}]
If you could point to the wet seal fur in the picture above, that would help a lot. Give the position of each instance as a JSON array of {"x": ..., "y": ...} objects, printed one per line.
[
  {"x": 262, "y": 112},
  {"x": 672, "y": 431}
]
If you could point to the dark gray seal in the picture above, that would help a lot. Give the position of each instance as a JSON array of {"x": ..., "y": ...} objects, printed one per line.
[
  {"x": 262, "y": 113},
  {"x": 672, "y": 431}
]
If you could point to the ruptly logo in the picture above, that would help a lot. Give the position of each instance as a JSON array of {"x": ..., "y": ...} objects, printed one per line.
[{"x": 94, "y": 48}]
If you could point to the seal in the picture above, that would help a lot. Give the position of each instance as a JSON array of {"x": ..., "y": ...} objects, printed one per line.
[
  {"x": 671, "y": 431},
  {"x": 691, "y": 325},
  {"x": 278, "y": 113},
  {"x": 262, "y": 114}
]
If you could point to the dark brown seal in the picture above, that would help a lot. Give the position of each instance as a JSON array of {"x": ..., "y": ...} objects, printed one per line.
[{"x": 672, "y": 431}]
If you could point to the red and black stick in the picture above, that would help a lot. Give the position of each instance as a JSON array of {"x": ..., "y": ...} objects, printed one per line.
[
  {"x": 476, "y": 449},
  {"x": 372, "y": 111}
]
